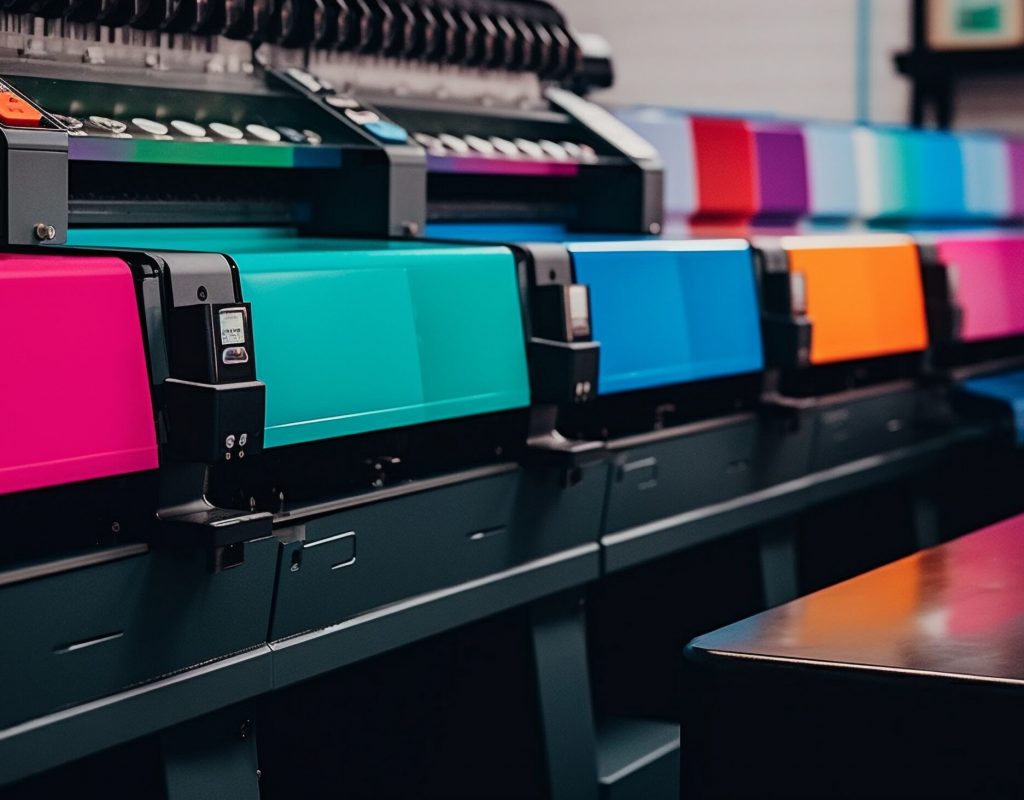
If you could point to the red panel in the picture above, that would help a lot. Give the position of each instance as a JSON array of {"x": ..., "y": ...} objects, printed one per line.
[{"x": 724, "y": 152}]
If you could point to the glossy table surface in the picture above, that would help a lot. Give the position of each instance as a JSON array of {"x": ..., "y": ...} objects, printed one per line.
[{"x": 954, "y": 611}]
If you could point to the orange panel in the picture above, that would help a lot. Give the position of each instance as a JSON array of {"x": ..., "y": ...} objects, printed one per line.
[{"x": 863, "y": 300}]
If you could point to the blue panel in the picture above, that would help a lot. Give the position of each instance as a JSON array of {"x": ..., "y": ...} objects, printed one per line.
[
  {"x": 832, "y": 170},
  {"x": 1007, "y": 388},
  {"x": 986, "y": 160},
  {"x": 498, "y": 232},
  {"x": 935, "y": 176},
  {"x": 671, "y": 312}
]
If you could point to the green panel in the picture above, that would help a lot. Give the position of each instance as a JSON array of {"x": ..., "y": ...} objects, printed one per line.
[
  {"x": 893, "y": 171},
  {"x": 356, "y": 336}
]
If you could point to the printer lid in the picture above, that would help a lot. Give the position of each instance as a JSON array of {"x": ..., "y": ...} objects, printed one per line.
[
  {"x": 357, "y": 336},
  {"x": 864, "y": 294},
  {"x": 78, "y": 406}
]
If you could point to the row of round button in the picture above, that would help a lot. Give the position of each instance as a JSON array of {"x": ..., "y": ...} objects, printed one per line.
[
  {"x": 184, "y": 129},
  {"x": 446, "y": 144}
]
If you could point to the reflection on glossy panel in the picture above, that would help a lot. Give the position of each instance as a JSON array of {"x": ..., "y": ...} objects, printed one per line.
[{"x": 957, "y": 609}]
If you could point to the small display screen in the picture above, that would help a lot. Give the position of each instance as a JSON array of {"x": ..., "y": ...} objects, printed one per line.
[
  {"x": 232, "y": 326},
  {"x": 579, "y": 311}
]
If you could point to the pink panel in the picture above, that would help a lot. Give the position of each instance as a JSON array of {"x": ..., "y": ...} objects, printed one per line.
[
  {"x": 75, "y": 401},
  {"x": 990, "y": 285}
]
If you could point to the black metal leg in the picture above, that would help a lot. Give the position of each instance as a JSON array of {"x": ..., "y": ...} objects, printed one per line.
[
  {"x": 779, "y": 577},
  {"x": 563, "y": 690},
  {"x": 212, "y": 758}
]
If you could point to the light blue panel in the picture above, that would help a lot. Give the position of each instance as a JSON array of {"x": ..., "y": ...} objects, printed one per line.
[
  {"x": 674, "y": 313},
  {"x": 986, "y": 161},
  {"x": 1007, "y": 388},
  {"x": 832, "y": 170},
  {"x": 670, "y": 133}
]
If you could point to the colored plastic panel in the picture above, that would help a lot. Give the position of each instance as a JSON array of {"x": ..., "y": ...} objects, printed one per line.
[
  {"x": 782, "y": 171},
  {"x": 725, "y": 156},
  {"x": 353, "y": 336},
  {"x": 989, "y": 284},
  {"x": 987, "y": 185},
  {"x": 935, "y": 176},
  {"x": 879, "y": 179},
  {"x": 1008, "y": 388},
  {"x": 832, "y": 171},
  {"x": 864, "y": 295},
  {"x": 1016, "y": 148},
  {"x": 671, "y": 135},
  {"x": 671, "y": 312},
  {"x": 77, "y": 404},
  {"x": 907, "y": 174}
]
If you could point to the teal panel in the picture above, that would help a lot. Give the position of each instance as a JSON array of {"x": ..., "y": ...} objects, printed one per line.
[
  {"x": 893, "y": 174},
  {"x": 356, "y": 336}
]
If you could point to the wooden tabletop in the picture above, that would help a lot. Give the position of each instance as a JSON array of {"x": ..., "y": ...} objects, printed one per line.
[{"x": 953, "y": 611}]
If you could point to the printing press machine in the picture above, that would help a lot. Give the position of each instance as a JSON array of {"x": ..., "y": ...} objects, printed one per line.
[
  {"x": 382, "y": 350},
  {"x": 316, "y": 460}
]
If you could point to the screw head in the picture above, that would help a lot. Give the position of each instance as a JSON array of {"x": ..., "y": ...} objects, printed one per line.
[{"x": 44, "y": 232}]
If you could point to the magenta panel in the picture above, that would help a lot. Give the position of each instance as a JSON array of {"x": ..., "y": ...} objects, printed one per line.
[
  {"x": 75, "y": 403},
  {"x": 990, "y": 284}
]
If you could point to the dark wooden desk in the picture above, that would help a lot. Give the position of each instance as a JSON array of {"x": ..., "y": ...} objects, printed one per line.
[{"x": 907, "y": 681}]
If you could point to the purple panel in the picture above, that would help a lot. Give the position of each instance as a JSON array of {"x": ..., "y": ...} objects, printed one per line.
[
  {"x": 1016, "y": 147},
  {"x": 782, "y": 171}
]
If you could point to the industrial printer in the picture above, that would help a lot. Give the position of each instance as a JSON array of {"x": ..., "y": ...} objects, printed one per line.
[{"x": 286, "y": 411}]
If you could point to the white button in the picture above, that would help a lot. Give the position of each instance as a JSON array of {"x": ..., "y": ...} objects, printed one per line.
[
  {"x": 361, "y": 116},
  {"x": 307, "y": 80},
  {"x": 505, "y": 147},
  {"x": 339, "y": 101},
  {"x": 243, "y": 439},
  {"x": 225, "y": 131},
  {"x": 454, "y": 143},
  {"x": 230, "y": 441},
  {"x": 263, "y": 132},
  {"x": 150, "y": 126},
  {"x": 188, "y": 128},
  {"x": 573, "y": 150},
  {"x": 532, "y": 149},
  {"x": 426, "y": 139},
  {"x": 555, "y": 151},
  {"x": 481, "y": 145},
  {"x": 588, "y": 153}
]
